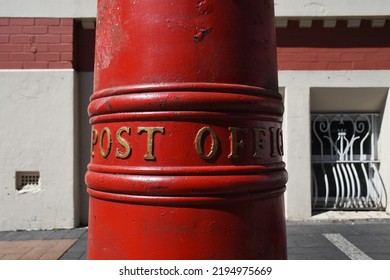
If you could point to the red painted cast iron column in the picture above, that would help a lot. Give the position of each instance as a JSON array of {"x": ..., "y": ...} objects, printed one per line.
[{"x": 186, "y": 154}]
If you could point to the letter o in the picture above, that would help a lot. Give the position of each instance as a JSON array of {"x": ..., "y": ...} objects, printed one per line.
[
  {"x": 214, "y": 145},
  {"x": 106, "y": 152}
]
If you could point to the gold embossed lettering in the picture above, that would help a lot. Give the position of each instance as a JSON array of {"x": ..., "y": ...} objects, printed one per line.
[
  {"x": 150, "y": 140},
  {"x": 276, "y": 141},
  {"x": 280, "y": 142},
  {"x": 123, "y": 143},
  {"x": 199, "y": 142},
  {"x": 105, "y": 132},
  {"x": 259, "y": 134},
  {"x": 234, "y": 144},
  {"x": 94, "y": 139}
]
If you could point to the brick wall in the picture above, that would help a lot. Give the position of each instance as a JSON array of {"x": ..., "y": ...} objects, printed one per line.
[
  {"x": 333, "y": 58},
  {"x": 339, "y": 48},
  {"x": 36, "y": 43},
  {"x": 53, "y": 43}
]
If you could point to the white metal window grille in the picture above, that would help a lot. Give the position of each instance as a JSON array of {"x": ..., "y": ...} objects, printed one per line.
[{"x": 345, "y": 172}]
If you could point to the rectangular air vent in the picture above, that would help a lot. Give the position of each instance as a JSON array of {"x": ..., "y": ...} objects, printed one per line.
[{"x": 26, "y": 179}]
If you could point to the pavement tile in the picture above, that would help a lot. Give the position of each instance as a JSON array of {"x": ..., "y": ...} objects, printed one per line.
[
  {"x": 24, "y": 235},
  {"x": 385, "y": 237},
  {"x": 76, "y": 233},
  {"x": 40, "y": 234},
  {"x": 290, "y": 241},
  {"x": 63, "y": 245},
  {"x": 3, "y": 235},
  {"x": 9, "y": 235},
  {"x": 84, "y": 256},
  {"x": 67, "y": 233},
  {"x": 337, "y": 228},
  {"x": 50, "y": 255},
  {"x": 10, "y": 247},
  {"x": 85, "y": 235},
  {"x": 58, "y": 234},
  {"x": 298, "y": 251},
  {"x": 11, "y": 256},
  {"x": 321, "y": 256},
  {"x": 58, "y": 249},
  {"x": 73, "y": 255},
  {"x": 310, "y": 240},
  {"x": 327, "y": 228},
  {"x": 378, "y": 228},
  {"x": 367, "y": 240},
  {"x": 294, "y": 229},
  {"x": 312, "y": 229},
  {"x": 377, "y": 249},
  {"x": 34, "y": 249},
  {"x": 379, "y": 256},
  {"x": 304, "y": 241},
  {"x": 320, "y": 253},
  {"x": 297, "y": 257},
  {"x": 76, "y": 251},
  {"x": 36, "y": 252}
]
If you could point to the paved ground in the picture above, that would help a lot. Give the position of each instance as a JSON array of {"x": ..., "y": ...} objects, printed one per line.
[
  {"x": 339, "y": 240},
  {"x": 67, "y": 244},
  {"x": 321, "y": 240}
]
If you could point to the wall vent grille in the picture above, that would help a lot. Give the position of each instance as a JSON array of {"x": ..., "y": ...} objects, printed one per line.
[{"x": 26, "y": 178}]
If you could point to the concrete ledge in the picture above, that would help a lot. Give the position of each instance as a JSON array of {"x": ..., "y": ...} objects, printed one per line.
[
  {"x": 349, "y": 215},
  {"x": 331, "y": 8}
]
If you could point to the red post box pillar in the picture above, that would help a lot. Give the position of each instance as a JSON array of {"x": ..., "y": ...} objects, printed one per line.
[{"x": 186, "y": 153}]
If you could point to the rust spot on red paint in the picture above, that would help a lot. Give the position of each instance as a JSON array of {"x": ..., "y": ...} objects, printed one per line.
[
  {"x": 199, "y": 36},
  {"x": 203, "y": 7}
]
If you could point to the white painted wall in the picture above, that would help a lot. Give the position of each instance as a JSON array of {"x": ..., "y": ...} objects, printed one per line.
[
  {"x": 297, "y": 86},
  {"x": 384, "y": 148},
  {"x": 283, "y": 8},
  {"x": 296, "y": 121},
  {"x": 37, "y": 132}
]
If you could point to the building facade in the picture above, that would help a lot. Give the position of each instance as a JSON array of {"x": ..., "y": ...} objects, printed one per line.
[{"x": 334, "y": 75}]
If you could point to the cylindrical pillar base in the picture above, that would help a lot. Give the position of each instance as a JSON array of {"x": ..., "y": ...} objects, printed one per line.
[{"x": 251, "y": 228}]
